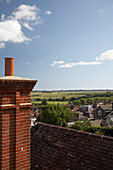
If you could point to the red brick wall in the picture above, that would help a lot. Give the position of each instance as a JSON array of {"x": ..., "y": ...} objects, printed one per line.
[{"x": 15, "y": 124}]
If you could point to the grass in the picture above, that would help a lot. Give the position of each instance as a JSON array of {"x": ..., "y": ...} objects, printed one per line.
[
  {"x": 60, "y": 94},
  {"x": 55, "y": 95}
]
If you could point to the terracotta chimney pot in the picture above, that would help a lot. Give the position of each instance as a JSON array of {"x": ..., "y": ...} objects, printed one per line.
[{"x": 9, "y": 66}]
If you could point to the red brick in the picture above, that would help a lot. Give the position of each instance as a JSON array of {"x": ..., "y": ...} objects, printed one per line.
[{"x": 15, "y": 124}]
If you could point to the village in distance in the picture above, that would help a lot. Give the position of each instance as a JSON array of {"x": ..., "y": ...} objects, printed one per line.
[{"x": 86, "y": 110}]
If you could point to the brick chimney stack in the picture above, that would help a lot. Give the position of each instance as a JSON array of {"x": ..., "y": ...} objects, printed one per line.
[
  {"x": 14, "y": 119},
  {"x": 9, "y": 66}
]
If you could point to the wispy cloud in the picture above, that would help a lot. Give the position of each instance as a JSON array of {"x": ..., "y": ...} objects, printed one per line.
[
  {"x": 107, "y": 55},
  {"x": 48, "y": 12},
  {"x": 11, "y": 27},
  {"x": 26, "y": 25},
  {"x": 2, "y": 45},
  {"x": 25, "y": 12},
  {"x": 2, "y": 17},
  {"x": 63, "y": 64},
  {"x": 55, "y": 63},
  {"x": 101, "y": 11},
  {"x": 81, "y": 63},
  {"x": 37, "y": 36}
]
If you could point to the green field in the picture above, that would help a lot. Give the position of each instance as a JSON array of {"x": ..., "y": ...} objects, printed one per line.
[
  {"x": 57, "y": 96},
  {"x": 50, "y": 102},
  {"x": 60, "y": 94}
]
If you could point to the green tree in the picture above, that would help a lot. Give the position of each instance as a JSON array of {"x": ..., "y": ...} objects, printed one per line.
[
  {"x": 96, "y": 100},
  {"x": 90, "y": 100},
  {"x": 76, "y": 102},
  {"x": 44, "y": 102},
  {"x": 55, "y": 115},
  {"x": 63, "y": 98},
  {"x": 105, "y": 100},
  {"x": 82, "y": 125},
  {"x": 83, "y": 101},
  {"x": 109, "y": 100}
]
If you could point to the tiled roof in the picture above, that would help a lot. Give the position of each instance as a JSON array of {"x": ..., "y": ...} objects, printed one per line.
[
  {"x": 106, "y": 107},
  {"x": 57, "y": 148}
]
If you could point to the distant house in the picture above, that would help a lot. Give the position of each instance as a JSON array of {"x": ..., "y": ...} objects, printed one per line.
[
  {"x": 109, "y": 119},
  {"x": 101, "y": 111},
  {"x": 86, "y": 110},
  {"x": 70, "y": 106},
  {"x": 79, "y": 115}
]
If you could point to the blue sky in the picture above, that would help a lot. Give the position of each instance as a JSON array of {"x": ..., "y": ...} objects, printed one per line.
[{"x": 64, "y": 44}]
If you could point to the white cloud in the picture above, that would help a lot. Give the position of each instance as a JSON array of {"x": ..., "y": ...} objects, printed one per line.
[
  {"x": 81, "y": 63},
  {"x": 48, "y": 12},
  {"x": 107, "y": 55},
  {"x": 37, "y": 36},
  {"x": 62, "y": 64},
  {"x": 26, "y": 25},
  {"x": 57, "y": 63},
  {"x": 2, "y": 45},
  {"x": 25, "y": 12},
  {"x": 10, "y": 30},
  {"x": 101, "y": 11},
  {"x": 11, "y": 27},
  {"x": 2, "y": 17}
]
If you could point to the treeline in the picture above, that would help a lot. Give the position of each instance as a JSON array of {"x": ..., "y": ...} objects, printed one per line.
[
  {"x": 81, "y": 100},
  {"x": 92, "y": 100}
]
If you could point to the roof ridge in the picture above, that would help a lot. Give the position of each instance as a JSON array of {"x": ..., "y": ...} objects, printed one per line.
[{"x": 102, "y": 137}]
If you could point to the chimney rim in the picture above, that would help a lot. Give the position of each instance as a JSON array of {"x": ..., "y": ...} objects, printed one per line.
[{"x": 9, "y": 58}]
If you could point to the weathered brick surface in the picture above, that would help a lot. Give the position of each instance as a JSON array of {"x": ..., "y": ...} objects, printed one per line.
[
  {"x": 15, "y": 124},
  {"x": 55, "y": 148}
]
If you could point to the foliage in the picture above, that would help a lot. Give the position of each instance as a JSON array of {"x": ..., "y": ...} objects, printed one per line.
[
  {"x": 76, "y": 97},
  {"x": 55, "y": 115},
  {"x": 76, "y": 102},
  {"x": 83, "y": 101},
  {"x": 44, "y": 102},
  {"x": 64, "y": 98},
  {"x": 81, "y": 125},
  {"x": 90, "y": 100},
  {"x": 107, "y": 131}
]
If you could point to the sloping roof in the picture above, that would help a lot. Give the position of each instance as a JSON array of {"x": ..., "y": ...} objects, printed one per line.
[
  {"x": 57, "y": 148},
  {"x": 109, "y": 114},
  {"x": 106, "y": 107}
]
